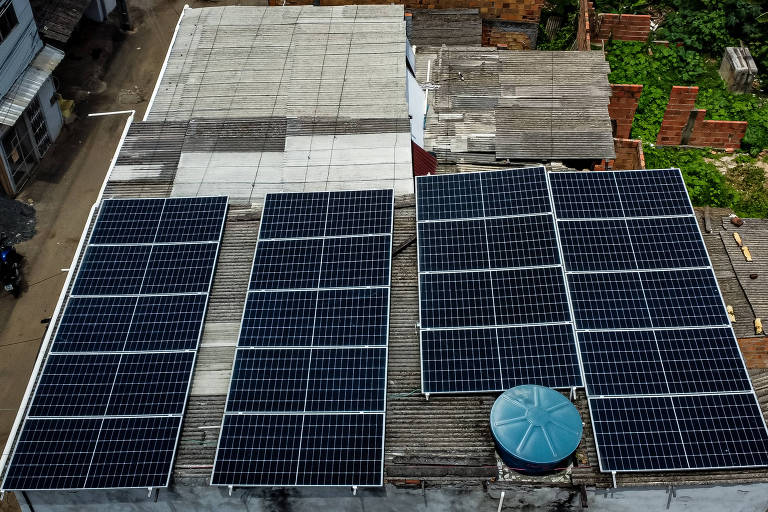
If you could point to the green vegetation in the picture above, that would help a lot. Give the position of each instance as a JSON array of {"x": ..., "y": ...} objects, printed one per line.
[{"x": 698, "y": 32}]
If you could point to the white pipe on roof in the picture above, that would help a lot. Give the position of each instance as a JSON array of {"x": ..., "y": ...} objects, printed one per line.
[
  {"x": 57, "y": 311},
  {"x": 165, "y": 63}
]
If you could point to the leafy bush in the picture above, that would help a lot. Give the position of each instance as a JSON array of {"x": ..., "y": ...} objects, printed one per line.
[
  {"x": 709, "y": 26},
  {"x": 751, "y": 197},
  {"x": 657, "y": 68}
]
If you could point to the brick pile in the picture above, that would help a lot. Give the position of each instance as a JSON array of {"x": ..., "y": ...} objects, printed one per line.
[
  {"x": 525, "y": 11},
  {"x": 622, "y": 107},
  {"x": 493, "y": 36},
  {"x": 622, "y": 27},
  {"x": 676, "y": 128},
  {"x": 755, "y": 352}
]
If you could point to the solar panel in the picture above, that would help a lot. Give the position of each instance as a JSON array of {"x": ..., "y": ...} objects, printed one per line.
[
  {"x": 91, "y": 453},
  {"x": 107, "y": 410},
  {"x": 300, "y": 450},
  {"x": 666, "y": 383},
  {"x": 679, "y": 432},
  {"x": 312, "y": 346},
  {"x": 493, "y": 303}
]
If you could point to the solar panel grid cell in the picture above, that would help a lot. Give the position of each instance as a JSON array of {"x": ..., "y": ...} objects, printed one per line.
[
  {"x": 312, "y": 344},
  {"x": 123, "y": 351},
  {"x": 489, "y": 257}
]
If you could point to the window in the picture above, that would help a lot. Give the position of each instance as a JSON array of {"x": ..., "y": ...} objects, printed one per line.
[{"x": 8, "y": 19}]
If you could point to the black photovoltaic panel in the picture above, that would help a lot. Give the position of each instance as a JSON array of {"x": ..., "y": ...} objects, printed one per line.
[
  {"x": 298, "y": 380},
  {"x": 115, "y": 383},
  {"x": 632, "y": 244},
  {"x": 313, "y": 344},
  {"x": 585, "y": 195},
  {"x": 500, "y": 297},
  {"x": 322, "y": 263},
  {"x": 191, "y": 219},
  {"x": 680, "y": 298},
  {"x": 590, "y": 245},
  {"x": 608, "y": 301},
  {"x": 597, "y": 195},
  {"x": 662, "y": 362},
  {"x": 667, "y": 243},
  {"x": 300, "y": 450},
  {"x": 475, "y": 360},
  {"x": 490, "y": 274},
  {"x": 148, "y": 221},
  {"x": 304, "y": 318},
  {"x": 182, "y": 268},
  {"x": 145, "y": 269},
  {"x": 330, "y": 214},
  {"x": 653, "y": 193},
  {"x": 667, "y": 386},
  {"x": 76, "y": 453},
  {"x": 487, "y": 194},
  {"x": 112, "y": 270},
  {"x": 506, "y": 242},
  {"x": 679, "y": 432},
  {"x": 144, "y": 323},
  {"x": 127, "y": 221}
]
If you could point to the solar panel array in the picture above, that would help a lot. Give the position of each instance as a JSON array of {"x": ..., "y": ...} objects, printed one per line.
[
  {"x": 109, "y": 403},
  {"x": 307, "y": 398},
  {"x": 667, "y": 386},
  {"x": 493, "y": 300}
]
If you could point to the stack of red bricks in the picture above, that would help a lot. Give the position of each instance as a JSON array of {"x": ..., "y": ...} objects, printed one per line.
[
  {"x": 493, "y": 36},
  {"x": 622, "y": 27},
  {"x": 623, "y": 106},
  {"x": 755, "y": 351},
  {"x": 716, "y": 134},
  {"x": 527, "y": 11}
]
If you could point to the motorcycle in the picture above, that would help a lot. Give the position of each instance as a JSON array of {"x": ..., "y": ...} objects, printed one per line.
[{"x": 10, "y": 267}]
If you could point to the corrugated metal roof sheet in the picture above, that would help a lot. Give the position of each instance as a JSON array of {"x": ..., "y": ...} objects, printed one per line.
[
  {"x": 57, "y": 19},
  {"x": 25, "y": 88},
  {"x": 492, "y": 105}
]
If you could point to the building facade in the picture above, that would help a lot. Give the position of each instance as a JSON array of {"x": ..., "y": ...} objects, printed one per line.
[{"x": 30, "y": 118}]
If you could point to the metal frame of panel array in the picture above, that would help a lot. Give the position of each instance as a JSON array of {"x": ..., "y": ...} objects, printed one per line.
[
  {"x": 666, "y": 382},
  {"x": 108, "y": 405},
  {"x": 307, "y": 398},
  {"x": 486, "y": 240}
]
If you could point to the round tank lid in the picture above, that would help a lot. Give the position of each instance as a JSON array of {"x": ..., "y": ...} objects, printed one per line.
[{"x": 536, "y": 424}]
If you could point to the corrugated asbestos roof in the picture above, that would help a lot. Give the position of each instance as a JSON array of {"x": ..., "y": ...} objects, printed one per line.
[
  {"x": 288, "y": 99},
  {"x": 23, "y": 91},
  {"x": 490, "y": 105},
  {"x": 57, "y": 19}
]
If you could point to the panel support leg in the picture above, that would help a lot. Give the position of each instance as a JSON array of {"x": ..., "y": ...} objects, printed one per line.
[
  {"x": 229, "y": 488},
  {"x": 501, "y": 501},
  {"x": 613, "y": 475},
  {"x": 354, "y": 490},
  {"x": 573, "y": 393},
  {"x": 149, "y": 492},
  {"x": 426, "y": 395},
  {"x": 2, "y": 495}
]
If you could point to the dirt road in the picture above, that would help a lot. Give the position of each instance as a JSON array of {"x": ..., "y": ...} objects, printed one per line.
[{"x": 71, "y": 175}]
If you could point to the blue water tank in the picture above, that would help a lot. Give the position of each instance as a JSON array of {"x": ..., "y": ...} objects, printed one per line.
[{"x": 536, "y": 429}]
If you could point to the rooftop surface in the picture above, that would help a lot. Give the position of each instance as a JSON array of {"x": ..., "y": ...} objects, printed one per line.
[{"x": 443, "y": 440}]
